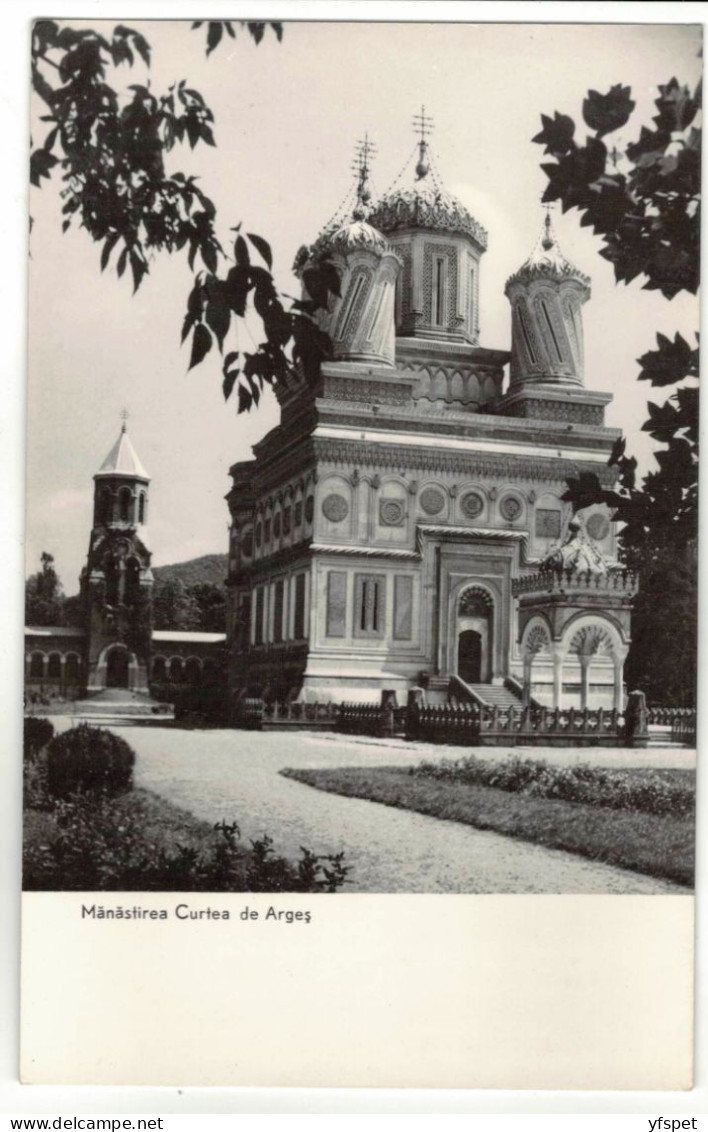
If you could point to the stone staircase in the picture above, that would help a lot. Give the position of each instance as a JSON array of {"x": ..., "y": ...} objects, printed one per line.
[
  {"x": 120, "y": 704},
  {"x": 440, "y": 690},
  {"x": 496, "y": 695}
]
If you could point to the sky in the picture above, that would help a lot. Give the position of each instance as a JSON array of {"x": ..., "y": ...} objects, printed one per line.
[{"x": 287, "y": 118}]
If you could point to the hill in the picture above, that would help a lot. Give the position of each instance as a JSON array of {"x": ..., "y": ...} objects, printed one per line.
[{"x": 210, "y": 569}]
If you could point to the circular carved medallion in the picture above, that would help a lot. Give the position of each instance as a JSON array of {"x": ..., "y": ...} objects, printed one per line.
[
  {"x": 335, "y": 508},
  {"x": 432, "y": 501},
  {"x": 472, "y": 505},
  {"x": 309, "y": 509},
  {"x": 597, "y": 526},
  {"x": 510, "y": 508},
  {"x": 391, "y": 512}
]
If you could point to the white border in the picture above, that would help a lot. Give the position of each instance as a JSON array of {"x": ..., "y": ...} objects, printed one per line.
[{"x": 14, "y": 1098}]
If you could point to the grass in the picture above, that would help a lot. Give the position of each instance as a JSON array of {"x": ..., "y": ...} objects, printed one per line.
[{"x": 659, "y": 846}]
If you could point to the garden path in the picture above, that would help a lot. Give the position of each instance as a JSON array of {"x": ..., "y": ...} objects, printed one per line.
[{"x": 233, "y": 775}]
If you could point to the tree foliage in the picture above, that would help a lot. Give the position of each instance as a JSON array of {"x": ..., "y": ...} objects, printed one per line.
[
  {"x": 644, "y": 204},
  {"x": 109, "y": 144},
  {"x": 44, "y": 596}
]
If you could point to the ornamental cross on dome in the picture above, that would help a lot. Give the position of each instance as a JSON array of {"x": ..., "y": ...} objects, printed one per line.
[
  {"x": 423, "y": 126},
  {"x": 363, "y": 153}
]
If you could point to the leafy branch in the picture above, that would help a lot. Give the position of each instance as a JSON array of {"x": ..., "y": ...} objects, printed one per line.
[{"x": 109, "y": 149}]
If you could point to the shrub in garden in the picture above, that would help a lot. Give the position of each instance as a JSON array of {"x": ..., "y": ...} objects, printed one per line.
[
  {"x": 594, "y": 786},
  {"x": 89, "y": 760},
  {"x": 37, "y": 733},
  {"x": 100, "y": 844}
]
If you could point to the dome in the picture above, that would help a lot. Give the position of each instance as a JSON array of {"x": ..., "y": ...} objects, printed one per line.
[
  {"x": 547, "y": 262},
  {"x": 427, "y": 206},
  {"x": 350, "y": 237},
  {"x": 576, "y": 555}
]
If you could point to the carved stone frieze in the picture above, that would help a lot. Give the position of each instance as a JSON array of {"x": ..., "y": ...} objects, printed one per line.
[{"x": 388, "y": 457}]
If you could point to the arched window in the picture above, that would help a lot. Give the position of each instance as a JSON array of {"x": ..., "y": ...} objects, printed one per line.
[
  {"x": 125, "y": 500},
  {"x": 159, "y": 668},
  {"x": 132, "y": 579},
  {"x": 72, "y": 668},
  {"x": 142, "y": 509},
  {"x": 176, "y": 670},
  {"x": 111, "y": 571},
  {"x": 193, "y": 670},
  {"x": 37, "y": 666},
  {"x": 105, "y": 507},
  {"x": 54, "y": 669}
]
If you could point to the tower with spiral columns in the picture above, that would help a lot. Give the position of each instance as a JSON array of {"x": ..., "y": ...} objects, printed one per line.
[{"x": 547, "y": 369}]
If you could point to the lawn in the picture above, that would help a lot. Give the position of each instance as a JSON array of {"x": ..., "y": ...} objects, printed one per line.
[{"x": 657, "y": 845}]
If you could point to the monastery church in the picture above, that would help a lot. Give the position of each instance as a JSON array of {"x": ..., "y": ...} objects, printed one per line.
[{"x": 402, "y": 527}]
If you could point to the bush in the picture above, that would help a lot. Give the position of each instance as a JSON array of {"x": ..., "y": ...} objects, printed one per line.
[
  {"x": 37, "y": 733},
  {"x": 103, "y": 844},
  {"x": 89, "y": 760},
  {"x": 613, "y": 789}
]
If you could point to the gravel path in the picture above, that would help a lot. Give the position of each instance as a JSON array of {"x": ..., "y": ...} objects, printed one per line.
[{"x": 233, "y": 775}]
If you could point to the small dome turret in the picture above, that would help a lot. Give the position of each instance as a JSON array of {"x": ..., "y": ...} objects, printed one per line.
[
  {"x": 360, "y": 321},
  {"x": 546, "y": 296},
  {"x": 440, "y": 243}
]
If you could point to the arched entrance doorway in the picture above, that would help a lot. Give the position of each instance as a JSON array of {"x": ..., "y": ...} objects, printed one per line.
[
  {"x": 475, "y": 613},
  {"x": 469, "y": 656},
  {"x": 117, "y": 668}
]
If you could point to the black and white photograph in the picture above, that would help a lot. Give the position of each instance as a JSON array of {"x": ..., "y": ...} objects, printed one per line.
[{"x": 362, "y": 462}]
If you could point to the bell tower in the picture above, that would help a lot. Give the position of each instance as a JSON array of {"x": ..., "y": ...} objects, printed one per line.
[{"x": 117, "y": 581}]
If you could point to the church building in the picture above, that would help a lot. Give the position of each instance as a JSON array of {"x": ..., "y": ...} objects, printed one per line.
[{"x": 403, "y": 526}]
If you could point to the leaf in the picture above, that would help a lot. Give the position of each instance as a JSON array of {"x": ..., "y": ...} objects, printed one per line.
[
  {"x": 263, "y": 247},
  {"x": 122, "y": 259},
  {"x": 229, "y": 382},
  {"x": 245, "y": 399},
  {"x": 201, "y": 345},
  {"x": 218, "y": 316},
  {"x": 208, "y": 254},
  {"x": 214, "y": 34},
  {"x": 241, "y": 252},
  {"x": 108, "y": 247},
  {"x": 557, "y": 134},
  {"x": 607, "y": 112},
  {"x": 672, "y": 362}
]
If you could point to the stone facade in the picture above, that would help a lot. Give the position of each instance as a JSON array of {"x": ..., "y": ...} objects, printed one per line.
[{"x": 384, "y": 533}]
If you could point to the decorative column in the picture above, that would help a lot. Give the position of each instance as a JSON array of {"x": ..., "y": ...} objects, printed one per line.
[
  {"x": 558, "y": 660},
  {"x": 619, "y": 689},
  {"x": 585, "y": 661}
]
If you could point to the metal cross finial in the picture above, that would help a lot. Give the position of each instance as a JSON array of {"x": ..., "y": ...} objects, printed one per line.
[
  {"x": 124, "y": 417},
  {"x": 363, "y": 153},
  {"x": 423, "y": 125}
]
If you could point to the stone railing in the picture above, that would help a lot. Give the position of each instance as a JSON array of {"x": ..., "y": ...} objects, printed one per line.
[
  {"x": 467, "y": 724},
  {"x": 681, "y": 721},
  {"x": 534, "y": 726},
  {"x": 623, "y": 583},
  {"x": 273, "y": 716},
  {"x": 371, "y": 719}
]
